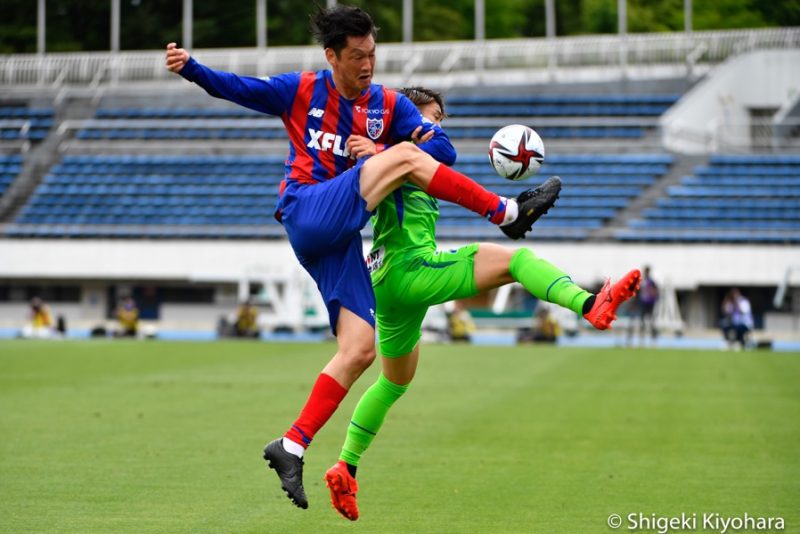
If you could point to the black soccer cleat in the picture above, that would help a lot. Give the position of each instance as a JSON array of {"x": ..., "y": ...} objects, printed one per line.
[
  {"x": 290, "y": 471},
  {"x": 532, "y": 204}
]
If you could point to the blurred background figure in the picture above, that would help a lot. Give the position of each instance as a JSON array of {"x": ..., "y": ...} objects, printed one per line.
[
  {"x": 646, "y": 301},
  {"x": 737, "y": 319},
  {"x": 246, "y": 324},
  {"x": 545, "y": 325},
  {"x": 40, "y": 320},
  {"x": 460, "y": 324},
  {"x": 128, "y": 318}
]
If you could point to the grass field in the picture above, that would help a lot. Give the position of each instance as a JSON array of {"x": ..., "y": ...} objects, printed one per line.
[{"x": 166, "y": 437}]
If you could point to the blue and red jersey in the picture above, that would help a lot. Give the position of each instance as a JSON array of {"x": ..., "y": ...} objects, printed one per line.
[{"x": 319, "y": 120}]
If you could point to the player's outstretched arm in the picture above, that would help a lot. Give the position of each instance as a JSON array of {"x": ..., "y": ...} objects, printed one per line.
[
  {"x": 176, "y": 58},
  {"x": 270, "y": 95}
]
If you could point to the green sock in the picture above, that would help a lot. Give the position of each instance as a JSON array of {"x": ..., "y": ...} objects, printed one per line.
[
  {"x": 547, "y": 282},
  {"x": 368, "y": 417}
]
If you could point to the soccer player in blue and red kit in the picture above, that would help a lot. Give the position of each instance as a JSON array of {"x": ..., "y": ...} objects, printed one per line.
[{"x": 327, "y": 196}]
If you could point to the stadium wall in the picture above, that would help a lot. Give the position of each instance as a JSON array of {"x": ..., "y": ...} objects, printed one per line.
[
  {"x": 96, "y": 264},
  {"x": 715, "y": 114},
  {"x": 686, "y": 265}
]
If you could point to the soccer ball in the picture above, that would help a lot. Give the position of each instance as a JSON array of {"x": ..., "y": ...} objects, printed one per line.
[{"x": 516, "y": 152}]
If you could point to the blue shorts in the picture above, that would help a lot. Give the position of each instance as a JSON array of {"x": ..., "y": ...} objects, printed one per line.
[{"x": 324, "y": 223}]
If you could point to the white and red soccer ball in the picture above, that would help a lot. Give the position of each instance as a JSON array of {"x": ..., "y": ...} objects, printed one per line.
[{"x": 516, "y": 152}]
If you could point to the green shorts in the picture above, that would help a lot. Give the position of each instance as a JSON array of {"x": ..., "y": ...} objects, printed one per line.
[{"x": 411, "y": 286}]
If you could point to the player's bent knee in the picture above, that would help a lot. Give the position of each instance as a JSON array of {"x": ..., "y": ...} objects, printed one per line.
[
  {"x": 364, "y": 359},
  {"x": 414, "y": 156},
  {"x": 408, "y": 150},
  {"x": 405, "y": 158},
  {"x": 359, "y": 358}
]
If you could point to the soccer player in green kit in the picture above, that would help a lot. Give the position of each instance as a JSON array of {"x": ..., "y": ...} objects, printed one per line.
[{"x": 409, "y": 275}]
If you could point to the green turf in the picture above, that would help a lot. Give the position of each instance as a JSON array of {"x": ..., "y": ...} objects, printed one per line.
[{"x": 166, "y": 437}]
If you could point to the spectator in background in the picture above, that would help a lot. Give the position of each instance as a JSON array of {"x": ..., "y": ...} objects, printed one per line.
[
  {"x": 40, "y": 320},
  {"x": 545, "y": 326},
  {"x": 737, "y": 319},
  {"x": 247, "y": 320},
  {"x": 460, "y": 325},
  {"x": 646, "y": 301},
  {"x": 128, "y": 317}
]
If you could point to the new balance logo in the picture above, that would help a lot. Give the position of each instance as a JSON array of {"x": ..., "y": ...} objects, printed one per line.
[
  {"x": 316, "y": 113},
  {"x": 327, "y": 141}
]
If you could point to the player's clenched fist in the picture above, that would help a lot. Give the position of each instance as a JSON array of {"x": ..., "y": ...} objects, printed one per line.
[
  {"x": 176, "y": 57},
  {"x": 359, "y": 146}
]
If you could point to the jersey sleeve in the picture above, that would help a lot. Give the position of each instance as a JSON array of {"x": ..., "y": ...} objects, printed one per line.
[
  {"x": 407, "y": 118},
  {"x": 439, "y": 146},
  {"x": 272, "y": 95}
]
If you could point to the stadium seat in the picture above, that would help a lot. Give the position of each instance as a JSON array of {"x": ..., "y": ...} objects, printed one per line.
[
  {"x": 205, "y": 196},
  {"x": 10, "y": 167},
  {"x": 735, "y": 198},
  {"x": 21, "y": 123},
  {"x": 614, "y": 113}
]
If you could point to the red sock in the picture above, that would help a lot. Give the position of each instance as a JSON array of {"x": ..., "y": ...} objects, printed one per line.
[
  {"x": 453, "y": 186},
  {"x": 325, "y": 397}
]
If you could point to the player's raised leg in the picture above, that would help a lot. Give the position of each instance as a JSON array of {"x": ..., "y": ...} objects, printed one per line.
[
  {"x": 386, "y": 171},
  {"x": 496, "y": 265}
]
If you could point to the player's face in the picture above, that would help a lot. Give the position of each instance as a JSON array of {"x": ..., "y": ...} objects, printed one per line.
[
  {"x": 353, "y": 67},
  {"x": 432, "y": 112}
]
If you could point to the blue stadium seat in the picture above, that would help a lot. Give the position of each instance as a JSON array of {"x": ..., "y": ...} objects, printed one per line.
[
  {"x": 205, "y": 120},
  {"x": 735, "y": 198},
  {"x": 213, "y": 196},
  {"x": 21, "y": 122}
]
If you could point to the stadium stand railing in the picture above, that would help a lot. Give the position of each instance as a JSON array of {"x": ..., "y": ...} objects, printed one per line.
[
  {"x": 404, "y": 61},
  {"x": 735, "y": 198}
]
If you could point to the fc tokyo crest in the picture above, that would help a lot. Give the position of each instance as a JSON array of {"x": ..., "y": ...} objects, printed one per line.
[{"x": 374, "y": 128}]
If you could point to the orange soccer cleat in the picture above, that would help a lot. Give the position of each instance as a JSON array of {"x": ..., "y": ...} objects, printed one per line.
[
  {"x": 343, "y": 490},
  {"x": 604, "y": 310}
]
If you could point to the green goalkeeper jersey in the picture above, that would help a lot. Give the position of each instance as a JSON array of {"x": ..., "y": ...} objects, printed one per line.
[{"x": 404, "y": 226}]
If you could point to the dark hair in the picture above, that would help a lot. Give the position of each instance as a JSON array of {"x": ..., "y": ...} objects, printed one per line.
[
  {"x": 331, "y": 27},
  {"x": 420, "y": 96}
]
